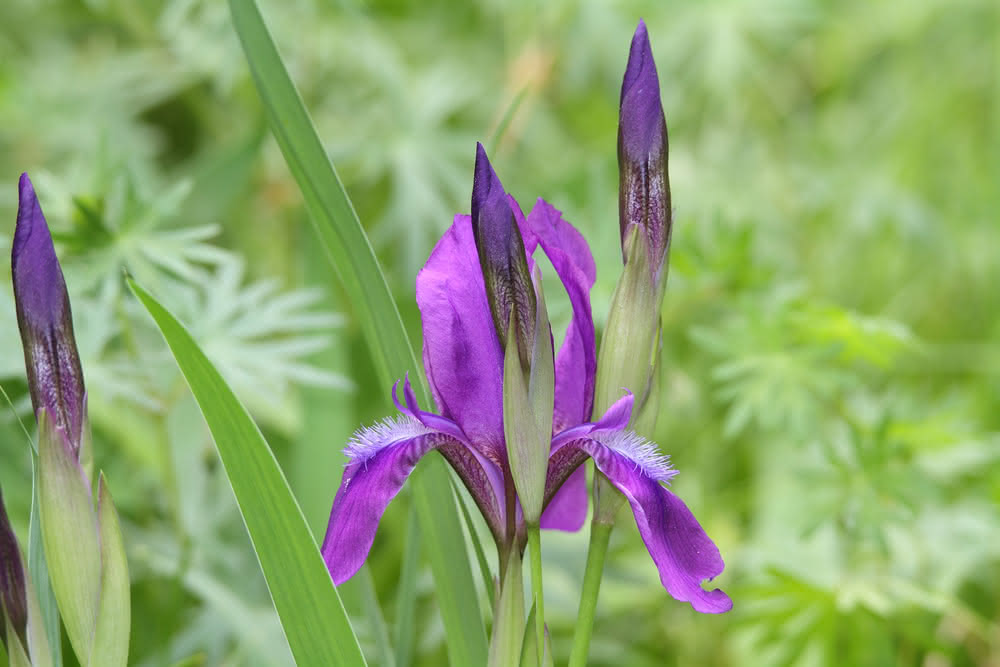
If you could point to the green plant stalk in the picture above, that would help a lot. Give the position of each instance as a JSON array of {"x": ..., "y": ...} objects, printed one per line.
[
  {"x": 535, "y": 546},
  {"x": 600, "y": 536}
]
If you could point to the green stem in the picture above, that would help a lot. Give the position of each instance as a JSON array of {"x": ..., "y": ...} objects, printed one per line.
[
  {"x": 600, "y": 536},
  {"x": 535, "y": 545}
]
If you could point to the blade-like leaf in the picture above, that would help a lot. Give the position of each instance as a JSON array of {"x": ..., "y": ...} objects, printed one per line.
[
  {"x": 311, "y": 613},
  {"x": 354, "y": 261}
]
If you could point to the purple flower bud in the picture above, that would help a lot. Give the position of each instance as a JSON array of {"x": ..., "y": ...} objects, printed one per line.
[
  {"x": 13, "y": 596},
  {"x": 55, "y": 379},
  {"x": 644, "y": 188},
  {"x": 502, "y": 259}
]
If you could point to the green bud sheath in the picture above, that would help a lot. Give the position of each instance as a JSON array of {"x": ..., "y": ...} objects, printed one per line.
[
  {"x": 631, "y": 338},
  {"x": 527, "y": 410},
  {"x": 69, "y": 535},
  {"x": 508, "y": 618},
  {"x": 38, "y": 641},
  {"x": 16, "y": 655},
  {"x": 111, "y": 635},
  {"x": 529, "y": 651}
]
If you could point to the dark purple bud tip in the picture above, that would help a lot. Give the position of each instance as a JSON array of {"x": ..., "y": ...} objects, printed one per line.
[
  {"x": 55, "y": 379},
  {"x": 13, "y": 594},
  {"x": 644, "y": 194},
  {"x": 509, "y": 289}
]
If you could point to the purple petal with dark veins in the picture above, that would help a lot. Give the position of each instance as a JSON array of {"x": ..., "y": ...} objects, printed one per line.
[
  {"x": 382, "y": 457},
  {"x": 55, "y": 379},
  {"x": 576, "y": 362},
  {"x": 683, "y": 553},
  {"x": 614, "y": 419}
]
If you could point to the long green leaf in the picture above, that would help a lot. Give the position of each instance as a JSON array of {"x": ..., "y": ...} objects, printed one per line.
[
  {"x": 311, "y": 613},
  {"x": 354, "y": 261}
]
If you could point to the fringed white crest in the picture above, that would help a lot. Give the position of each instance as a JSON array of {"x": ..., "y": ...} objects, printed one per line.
[
  {"x": 370, "y": 440},
  {"x": 645, "y": 454}
]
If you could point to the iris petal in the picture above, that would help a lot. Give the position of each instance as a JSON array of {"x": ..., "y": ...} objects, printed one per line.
[{"x": 684, "y": 554}]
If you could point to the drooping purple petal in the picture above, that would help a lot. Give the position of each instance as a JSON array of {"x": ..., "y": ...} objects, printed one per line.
[
  {"x": 55, "y": 379},
  {"x": 683, "y": 553},
  {"x": 462, "y": 353},
  {"x": 382, "y": 457},
  {"x": 576, "y": 362},
  {"x": 644, "y": 188}
]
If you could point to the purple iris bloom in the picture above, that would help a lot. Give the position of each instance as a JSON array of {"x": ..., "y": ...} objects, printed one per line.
[{"x": 463, "y": 357}]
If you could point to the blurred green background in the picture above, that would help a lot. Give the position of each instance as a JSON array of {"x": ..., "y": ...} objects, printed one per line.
[{"x": 831, "y": 326}]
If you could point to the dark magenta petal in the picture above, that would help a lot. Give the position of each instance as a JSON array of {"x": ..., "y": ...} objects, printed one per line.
[
  {"x": 382, "y": 457},
  {"x": 462, "y": 353},
  {"x": 644, "y": 188},
  {"x": 567, "y": 510},
  {"x": 55, "y": 379},
  {"x": 507, "y": 278},
  {"x": 576, "y": 362},
  {"x": 683, "y": 553},
  {"x": 13, "y": 591}
]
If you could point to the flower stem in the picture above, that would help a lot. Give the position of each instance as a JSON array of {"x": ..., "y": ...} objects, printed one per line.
[
  {"x": 600, "y": 536},
  {"x": 535, "y": 545}
]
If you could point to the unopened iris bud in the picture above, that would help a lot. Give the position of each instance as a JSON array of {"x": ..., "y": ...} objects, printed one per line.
[
  {"x": 644, "y": 188},
  {"x": 83, "y": 545},
  {"x": 502, "y": 259},
  {"x": 522, "y": 324},
  {"x": 55, "y": 380}
]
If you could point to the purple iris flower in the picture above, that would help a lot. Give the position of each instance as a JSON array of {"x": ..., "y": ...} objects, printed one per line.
[{"x": 463, "y": 358}]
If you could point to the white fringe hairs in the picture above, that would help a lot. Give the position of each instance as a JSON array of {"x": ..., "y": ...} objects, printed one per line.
[
  {"x": 645, "y": 454},
  {"x": 368, "y": 441}
]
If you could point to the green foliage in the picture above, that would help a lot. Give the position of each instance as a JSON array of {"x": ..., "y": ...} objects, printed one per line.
[
  {"x": 830, "y": 370},
  {"x": 312, "y": 614}
]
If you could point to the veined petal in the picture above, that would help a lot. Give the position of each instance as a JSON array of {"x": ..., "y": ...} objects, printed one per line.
[
  {"x": 382, "y": 457},
  {"x": 55, "y": 380},
  {"x": 576, "y": 362},
  {"x": 683, "y": 553},
  {"x": 481, "y": 476},
  {"x": 462, "y": 353},
  {"x": 616, "y": 418}
]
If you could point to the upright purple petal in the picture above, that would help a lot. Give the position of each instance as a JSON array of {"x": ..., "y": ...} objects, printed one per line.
[
  {"x": 381, "y": 459},
  {"x": 462, "y": 353},
  {"x": 567, "y": 510},
  {"x": 683, "y": 553},
  {"x": 644, "y": 189},
  {"x": 55, "y": 379},
  {"x": 576, "y": 362}
]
